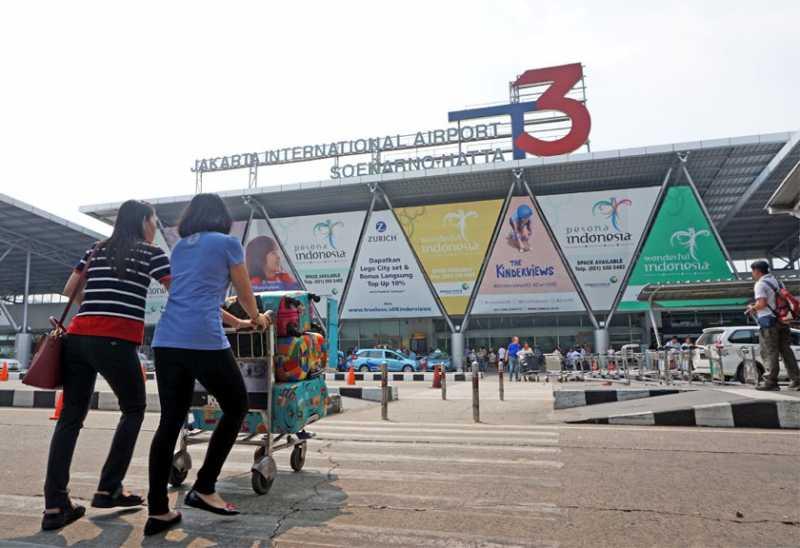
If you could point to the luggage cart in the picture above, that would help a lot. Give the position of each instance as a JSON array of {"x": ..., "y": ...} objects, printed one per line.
[{"x": 254, "y": 351}]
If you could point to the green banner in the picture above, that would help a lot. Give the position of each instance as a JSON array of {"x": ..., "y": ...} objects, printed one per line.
[{"x": 681, "y": 247}]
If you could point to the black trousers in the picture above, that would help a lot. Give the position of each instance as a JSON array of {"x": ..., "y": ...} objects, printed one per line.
[
  {"x": 84, "y": 357},
  {"x": 176, "y": 371}
]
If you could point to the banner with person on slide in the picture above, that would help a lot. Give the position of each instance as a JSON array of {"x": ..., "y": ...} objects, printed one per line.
[
  {"x": 525, "y": 273},
  {"x": 451, "y": 241},
  {"x": 321, "y": 248},
  {"x": 386, "y": 281},
  {"x": 681, "y": 247},
  {"x": 598, "y": 233}
]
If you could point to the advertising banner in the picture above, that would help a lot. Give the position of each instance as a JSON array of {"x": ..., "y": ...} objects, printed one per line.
[
  {"x": 598, "y": 233},
  {"x": 451, "y": 241},
  {"x": 525, "y": 273},
  {"x": 681, "y": 247},
  {"x": 321, "y": 248},
  {"x": 266, "y": 264},
  {"x": 386, "y": 280}
]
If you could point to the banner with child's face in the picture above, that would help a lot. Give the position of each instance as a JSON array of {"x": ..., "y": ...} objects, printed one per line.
[{"x": 525, "y": 274}]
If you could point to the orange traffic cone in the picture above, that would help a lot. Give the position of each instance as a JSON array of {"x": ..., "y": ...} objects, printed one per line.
[
  {"x": 4, "y": 372},
  {"x": 351, "y": 375},
  {"x": 59, "y": 406}
]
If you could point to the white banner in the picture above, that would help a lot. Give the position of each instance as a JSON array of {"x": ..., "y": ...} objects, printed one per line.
[
  {"x": 321, "y": 248},
  {"x": 598, "y": 233},
  {"x": 156, "y": 294},
  {"x": 266, "y": 264},
  {"x": 387, "y": 283}
]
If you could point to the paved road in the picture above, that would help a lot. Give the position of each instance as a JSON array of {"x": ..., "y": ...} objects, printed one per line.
[{"x": 430, "y": 477}]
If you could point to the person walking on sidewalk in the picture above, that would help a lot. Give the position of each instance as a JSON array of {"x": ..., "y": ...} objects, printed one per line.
[
  {"x": 774, "y": 335},
  {"x": 513, "y": 359},
  {"x": 190, "y": 345},
  {"x": 102, "y": 338}
]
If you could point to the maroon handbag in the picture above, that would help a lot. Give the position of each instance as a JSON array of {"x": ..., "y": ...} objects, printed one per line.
[{"x": 45, "y": 369}]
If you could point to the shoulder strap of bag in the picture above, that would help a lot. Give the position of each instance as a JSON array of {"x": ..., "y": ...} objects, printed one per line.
[
  {"x": 79, "y": 286},
  {"x": 775, "y": 293}
]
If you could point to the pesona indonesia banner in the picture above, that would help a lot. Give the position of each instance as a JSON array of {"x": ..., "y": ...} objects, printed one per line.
[
  {"x": 598, "y": 233},
  {"x": 525, "y": 273},
  {"x": 266, "y": 264},
  {"x": 681, "y": 247},
  {"x": 451, "y": 241},
  {"x": 387, "y": 283},
  {"x": 321, "y": 248}
]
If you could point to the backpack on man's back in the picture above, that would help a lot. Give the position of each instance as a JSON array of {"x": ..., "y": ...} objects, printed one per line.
[{"x": 787, "y": 306}]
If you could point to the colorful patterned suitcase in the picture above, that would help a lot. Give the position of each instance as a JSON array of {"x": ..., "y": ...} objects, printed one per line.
[
  {"x": 271, "y": 300},
  {"x": 298, "y": 358},
  {"x": 294, "y": 404}
]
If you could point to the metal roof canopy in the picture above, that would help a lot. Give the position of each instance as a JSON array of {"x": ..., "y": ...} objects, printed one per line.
[
  {"x": 786, "y": 198},
  {"x": 733, "y": 289},
  {"x": 55, "y": 245},
  {"x": 732, "y": 175}
]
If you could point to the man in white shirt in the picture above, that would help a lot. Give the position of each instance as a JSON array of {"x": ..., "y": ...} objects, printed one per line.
[
  {"x": 775, "y": 337},
  {"x": 501, "y": 354}
]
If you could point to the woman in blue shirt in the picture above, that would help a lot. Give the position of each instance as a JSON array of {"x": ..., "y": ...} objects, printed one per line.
[{"x": 189, "y": 344}]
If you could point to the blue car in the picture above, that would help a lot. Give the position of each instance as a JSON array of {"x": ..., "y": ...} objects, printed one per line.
[
  {"x": 437, "y": 357},
  {"x": 370, "y": 360}
]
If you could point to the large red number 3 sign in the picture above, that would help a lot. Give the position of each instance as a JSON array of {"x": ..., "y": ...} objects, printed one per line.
[{"x": 563, "y": 78}]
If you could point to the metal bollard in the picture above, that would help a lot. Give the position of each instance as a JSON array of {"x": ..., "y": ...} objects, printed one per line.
[
  {"x": 444, "y": 382},
  {"x": 384, "y": 393},
  {"x": 500, "y": 380},
  {"x": 476, "y": 405},
  {"x": 690, "y": 365}
]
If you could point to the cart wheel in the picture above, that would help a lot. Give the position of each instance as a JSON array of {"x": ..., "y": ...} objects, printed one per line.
[
  {"x": 298, "y": 457},
  {"x": 263, "y": 475},
  {"x": 181, "y": 464}
]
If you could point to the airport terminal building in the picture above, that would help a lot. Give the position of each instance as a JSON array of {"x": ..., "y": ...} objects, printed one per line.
[{"x": 505, "y": 222}]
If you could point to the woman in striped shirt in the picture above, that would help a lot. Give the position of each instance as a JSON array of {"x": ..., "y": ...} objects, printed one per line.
[{"x": 102, "y": 338}]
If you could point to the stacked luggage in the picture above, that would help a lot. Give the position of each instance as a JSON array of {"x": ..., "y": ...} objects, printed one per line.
[{"x": 299, "y": 392}]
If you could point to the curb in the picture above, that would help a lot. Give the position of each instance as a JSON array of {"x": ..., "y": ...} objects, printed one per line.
[
  {"x": 396, "y": 377},
  {"x": 370, "y": 393},
  {"x": 744, "y": 414},
  {"x": 107, "y": 401},
  {"x": 568, "y": 398},
  {"x": 18, "y": 376}
]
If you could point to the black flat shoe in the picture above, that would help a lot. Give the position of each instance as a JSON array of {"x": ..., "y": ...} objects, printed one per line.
[
  {"x": 117, "y": 500},
  {"x": 155, "y": 526},
  {"x": 51, "y": 522},
  {"x": 193, "y": 499}
]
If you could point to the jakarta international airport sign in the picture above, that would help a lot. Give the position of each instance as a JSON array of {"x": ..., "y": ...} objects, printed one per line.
[{"x": 557, "y": 83}]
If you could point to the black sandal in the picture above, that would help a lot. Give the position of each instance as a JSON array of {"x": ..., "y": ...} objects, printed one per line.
[
  {"x": 155, "y": 526},
  {"x": 51, "y": 522},
  {"x": 193, "y": 499},
  {"x": 117, "y": 500}
]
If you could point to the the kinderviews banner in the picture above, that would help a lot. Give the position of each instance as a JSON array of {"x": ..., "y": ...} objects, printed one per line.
[
  {"x": 681, "y": 247},
  {"x": 451, "y": 241},
  {"x": 321, "y": 248},
  {"x": 598, "y": 233},
  {"x": 525, "y": 273},
  {"x": 386, "y": 280},
  {"x": 266, "y": 264}
]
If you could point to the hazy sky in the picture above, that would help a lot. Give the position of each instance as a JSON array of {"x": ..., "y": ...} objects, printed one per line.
[{"x": 100, "y": 102}]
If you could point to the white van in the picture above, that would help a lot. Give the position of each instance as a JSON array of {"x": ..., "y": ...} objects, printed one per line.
[{"x": 731, "y": 339}]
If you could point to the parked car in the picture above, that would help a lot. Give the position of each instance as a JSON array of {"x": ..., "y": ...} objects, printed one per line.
[
  {"x": 437, "y": 357},
  {"x": 730, "y": 340},
  {"x": 370, "y": 359}
]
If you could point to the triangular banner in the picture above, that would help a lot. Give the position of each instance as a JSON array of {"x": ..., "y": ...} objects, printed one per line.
[
  {"x": 525, "y": 273},
  {"x": 681, "y": 247},
  {"x": 386, "y": 281},
  {"x": 598, "y": 233},
  {"x": 321, "y": 248},
  {"x": 266, "y": 264},
  {"x": 451, "y": 241}
]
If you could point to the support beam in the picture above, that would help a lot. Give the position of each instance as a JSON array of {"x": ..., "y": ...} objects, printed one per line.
[
  {"x": 9, "y": 317},
  {"x": 27, "y": 292},
  {"x": 759, "y": 180},
  {"x": 373, "y": 189},
  {"x": 5, "y": 253}
]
